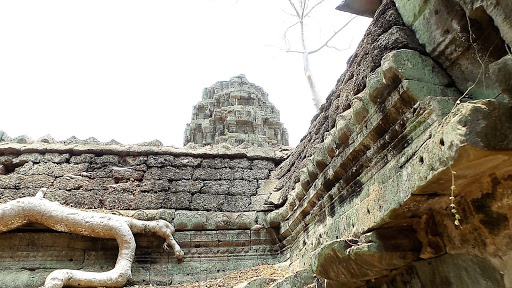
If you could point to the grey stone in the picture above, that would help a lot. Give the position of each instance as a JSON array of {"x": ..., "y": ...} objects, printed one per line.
[
  {"x": 219, "y": 187},
  {"x": 82, "y": 158},
  {"x": 234, "y": 112},
  {"x": 263, "y": 165},
  {"x": 237, "y": 203},
  {"x": 179, "y": 200},
  {"x": 246, "y": 174},
  {"x": 185, "y": 161},
  {"x": 243, "y": 188},
  {"x": 189, "y": 186},
  {"x": 160, "y": 160},
  {"x": 212, "y": 174},
  {"x": 365, "y": 8},
  {"x": 215, "y": 163},
  {"x": 189, "y": 220},
  {"x": 169, "y": 173},
  {"x": 500, "y": 71},
  {"x": 206, "y": 202},
  {"x": 239, "y": 163}
]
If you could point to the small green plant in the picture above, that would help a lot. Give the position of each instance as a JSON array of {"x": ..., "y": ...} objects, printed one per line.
[{"x": 452, "y": 200}]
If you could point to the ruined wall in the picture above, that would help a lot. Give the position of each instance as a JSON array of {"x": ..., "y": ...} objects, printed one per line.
[
  {"x": 235, "y": 112},
  {"x": 366, "y": 196},
  {"x": 212, "y": 196},
  {"x": 403, "y": 179}
]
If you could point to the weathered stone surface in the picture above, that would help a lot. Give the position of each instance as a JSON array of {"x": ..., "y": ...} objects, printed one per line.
[
  {"x": 500, "y": 73},
  {"x": 212, "y": 174},
  {"x": 364, "y": 199},
  {"x": 189, "y": 186},
  {"x": 180, "y": 200},
  {"x": 169, "y": 173},
  {"x": 301, "y": 278},
  {"x": 243, "y": 188},
  {"x": 235, "y": 112},
  {"x": 462, "y": 36},
  {"x": 365, "y": 8},
  {"x": 189, "y": 220},
  {"x": 446, "y": 271}
]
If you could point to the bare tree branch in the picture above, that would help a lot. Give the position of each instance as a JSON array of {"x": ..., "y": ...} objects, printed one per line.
[
  {"x": 314, "y": 6},
  {"x": 288, "y": 13},
  {"x": 295, "y": 9},
  {"x": 333, "y": 35},
  {"x": 295, "y": 51}
]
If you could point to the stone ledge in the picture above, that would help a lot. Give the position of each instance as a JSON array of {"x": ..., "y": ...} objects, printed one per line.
[{"x": 277, "y": 155}]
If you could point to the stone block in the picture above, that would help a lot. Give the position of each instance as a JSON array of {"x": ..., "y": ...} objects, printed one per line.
[
  {"x": 34, "y": 181},
  {"x": 207, "y": 202},
  {"x": 220, "y": 187},
  {"x": 237, "y": 203},
  {"x": 190, "y": 220},
  {"x": 259, "y": 203},
  {"x": 169, "y": 173},
  {"x": 263, "y": 165},
  {"x": 105, "y": 160},
  {"x": 122, "y": 174},
  {"x": 189, "y": 186},
  {"x": 500, "y": 71},
  {"x": 97, "y": 184},
  {"x": 134, "y": 160},
  {"x": 204, "y": 239},
  {"x": 242, "y": 188},
  {"x": 234, "y": 238},
  {"x": 149, "y": 200},
  {"x": 411, "y": 65},
  {"x": 212, "y": 174},
  {"x": 160, "y": 160},
  {"x": 150, "y": 185},
  {"x": 411, "y": 10},
  {"x": 100, "y": 171},
  {"x": 58, "y": 158},
  {"x": 365, "y": 8},
  {"x": 180, "y": 200},
  {"x": 69, "y": 183},
  {"x": 215, "y": 163},
  {"x": 242, "y": 163},
  {"x": 231, "y": 220},
  {"x": 186, "y": 161},
  {"x": 418, "y": 91},
  {"x": 82, "y": 158},
  {"x": 28, "y": 157},
  {"x": 247, "y": 174}
]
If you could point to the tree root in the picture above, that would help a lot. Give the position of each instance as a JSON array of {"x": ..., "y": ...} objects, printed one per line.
[{"x": 36, "y": 209}]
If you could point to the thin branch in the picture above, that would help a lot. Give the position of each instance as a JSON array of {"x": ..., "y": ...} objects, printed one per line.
[
  {"x": 295, "y": 51},
  {"x": 295, "y": 9},
  {"x": 289, "y": 27},
  {"x": 333, "y": 35},
  {"x": 314, "y": 6},
  {"x": 336, "y": 48},
  {"x": 288, "y": 13}
]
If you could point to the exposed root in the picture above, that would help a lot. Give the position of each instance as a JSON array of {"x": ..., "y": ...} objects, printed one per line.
[{"x": 36, "y": 209}]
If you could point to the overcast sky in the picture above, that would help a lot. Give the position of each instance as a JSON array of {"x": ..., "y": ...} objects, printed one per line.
[{"x": 132, "y": 70}]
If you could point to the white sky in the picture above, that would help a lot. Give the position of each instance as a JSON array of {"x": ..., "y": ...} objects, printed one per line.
[{"x": 132, "y": 70}]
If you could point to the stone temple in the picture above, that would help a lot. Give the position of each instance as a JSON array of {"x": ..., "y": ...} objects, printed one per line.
[
  {"x": 403, "y": 180},
  {"x": 235, "y": 112}
]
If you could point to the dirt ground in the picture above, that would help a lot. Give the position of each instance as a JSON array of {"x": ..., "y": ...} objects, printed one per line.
[{"x": 230, "y": 280}]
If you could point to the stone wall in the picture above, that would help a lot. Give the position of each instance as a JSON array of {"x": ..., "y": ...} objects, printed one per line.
[
  {"x": 403, "y": 179},
  {"x": 212, "y": 196},
  {"x": 366, "y": 196}
]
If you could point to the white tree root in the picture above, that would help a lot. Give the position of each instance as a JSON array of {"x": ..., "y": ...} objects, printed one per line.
[{"x": 36, "y": 209}]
